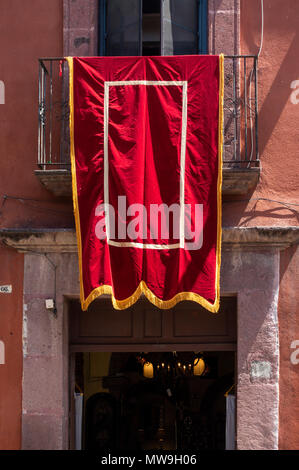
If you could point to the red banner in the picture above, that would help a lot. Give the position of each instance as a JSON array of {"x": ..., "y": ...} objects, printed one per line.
[{"x": 146, "y": 154}]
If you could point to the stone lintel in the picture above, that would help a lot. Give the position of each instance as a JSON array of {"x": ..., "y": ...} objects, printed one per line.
[{"x": 64, "y": 240}]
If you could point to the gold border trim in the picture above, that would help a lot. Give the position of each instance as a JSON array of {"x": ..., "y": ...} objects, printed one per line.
[{"x": 143, "y": 288}]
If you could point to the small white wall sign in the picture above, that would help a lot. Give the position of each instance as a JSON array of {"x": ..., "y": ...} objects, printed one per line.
[
  {"x": 295, "y": 94},
  {"x": 2, "y": 92},
  {"x": 295, "y": 354},
  {"x": 2, "y": 353},
  {"x": 6, "y": 289}
]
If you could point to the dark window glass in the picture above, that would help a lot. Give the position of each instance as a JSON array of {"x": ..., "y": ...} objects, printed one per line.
[
  {"x": 151, "y": 6},
  {"x": 152, "y": 27},
  {"x": 123, "y": 27},
  {"x": 179, "y": 27}
]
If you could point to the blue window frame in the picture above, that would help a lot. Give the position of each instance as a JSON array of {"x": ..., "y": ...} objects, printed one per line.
[{"x": 152, "y": 27}]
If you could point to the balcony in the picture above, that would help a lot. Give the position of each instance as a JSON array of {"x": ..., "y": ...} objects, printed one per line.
[{"x": 241, "y": 166}]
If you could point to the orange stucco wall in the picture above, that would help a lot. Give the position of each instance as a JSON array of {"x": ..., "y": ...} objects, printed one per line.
[
  {"x": 28, "y": 30},
  {"x": 278, "y": 116},
  {"x": 33, "y": 29},
  {"x": 289, "y": 350},
  {"x": 11, "y": 273},
  {"x": 278, "y": 140}
]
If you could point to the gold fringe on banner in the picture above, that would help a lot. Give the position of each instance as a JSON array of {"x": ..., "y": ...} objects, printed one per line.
[{"x": 143, "y": 288}]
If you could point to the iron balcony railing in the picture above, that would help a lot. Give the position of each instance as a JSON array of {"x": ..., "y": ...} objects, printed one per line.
[{"x": 240, "y": 113}]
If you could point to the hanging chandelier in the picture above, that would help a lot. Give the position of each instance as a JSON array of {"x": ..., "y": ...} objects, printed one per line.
[{"x": 173, "y": 365}]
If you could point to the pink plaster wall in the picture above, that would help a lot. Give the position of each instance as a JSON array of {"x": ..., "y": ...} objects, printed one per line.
[
  {"x": 45, "y": 405},
  {"x": 224, "y": 26},
  {"x": 278, "y": 138},
  {"x": 80, "y": 29},
  {"x": 28, "y": 30},
  {"x": 11, "y": 307},
  {"x": 289, "y": 350},
  {"x": 45, "y": 382},
  {"x": 252, "y": 275},
  {"x": 278, "y": 116}
]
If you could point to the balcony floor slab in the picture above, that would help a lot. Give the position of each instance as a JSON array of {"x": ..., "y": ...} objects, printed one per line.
[{"x": 234, "y": 180}]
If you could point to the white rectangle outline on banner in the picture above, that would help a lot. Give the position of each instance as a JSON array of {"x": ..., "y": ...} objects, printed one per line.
[{"x": 184, "y": 85}]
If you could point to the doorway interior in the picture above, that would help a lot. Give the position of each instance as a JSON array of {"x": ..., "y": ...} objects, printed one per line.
[{"x": 147, "y": 401}]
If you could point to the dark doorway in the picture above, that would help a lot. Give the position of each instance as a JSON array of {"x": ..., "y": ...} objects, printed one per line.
[{"x": 168, "y": 407}]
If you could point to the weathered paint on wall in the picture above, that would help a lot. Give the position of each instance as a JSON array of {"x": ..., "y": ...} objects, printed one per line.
[
  {"x": 278, "y": 116},
  {"x": 80, "y": 29},
  {"x": 28, "y": 30},
  {"x": 45, "y": 383},
  {"x": 289, "y": 347},
  {"x": 278, "y": 139},
  {"x": 11, "y": 273},
  {"x": 21, "y": 24}
]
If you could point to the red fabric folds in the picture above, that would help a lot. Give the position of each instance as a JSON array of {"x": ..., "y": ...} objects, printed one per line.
[{"x": 146, "y": 169}]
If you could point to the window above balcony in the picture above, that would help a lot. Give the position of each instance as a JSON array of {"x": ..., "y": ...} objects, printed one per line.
[{"x": 152, "y": 27}]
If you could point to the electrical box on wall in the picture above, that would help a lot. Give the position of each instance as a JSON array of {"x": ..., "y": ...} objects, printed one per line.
[{"x": 49, "y": 304}]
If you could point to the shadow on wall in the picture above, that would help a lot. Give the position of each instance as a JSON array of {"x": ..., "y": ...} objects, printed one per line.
[
  {"x": 279, "y": 93},
  {"x": 246, "y": 210},
  {"x": 280, "y": 33}
]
